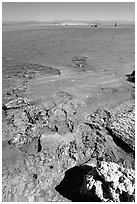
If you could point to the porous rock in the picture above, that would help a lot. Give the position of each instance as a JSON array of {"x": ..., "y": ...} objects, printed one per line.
[
  {"x": 110, "y": 182},
  {"x": 54, "y": 140},
  {"x": 122, "y": 124}
]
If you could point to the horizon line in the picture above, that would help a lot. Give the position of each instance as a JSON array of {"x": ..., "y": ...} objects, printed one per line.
[{"x": 65, "y": 20}]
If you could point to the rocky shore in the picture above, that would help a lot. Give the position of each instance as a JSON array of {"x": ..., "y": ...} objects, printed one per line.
[
  {"x": 68, "y": 113},
  {"x": 50, "y": 153}
]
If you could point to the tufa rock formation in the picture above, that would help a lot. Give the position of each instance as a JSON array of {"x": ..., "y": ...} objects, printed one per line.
[
  {"x": 109, "y": 182},
  {"x": 42, "y": 142}
]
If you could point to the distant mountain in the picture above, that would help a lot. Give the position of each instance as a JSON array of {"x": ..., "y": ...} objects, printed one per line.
[{"x": 62, "y": 22}]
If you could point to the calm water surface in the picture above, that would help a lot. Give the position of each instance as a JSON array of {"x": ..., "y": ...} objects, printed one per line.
[{"x": 107, "y": 48}]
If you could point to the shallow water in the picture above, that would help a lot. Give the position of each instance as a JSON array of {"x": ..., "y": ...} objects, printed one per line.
[
  {"x": 105, "y": 47},
  {"x": 110, "y": 53}
]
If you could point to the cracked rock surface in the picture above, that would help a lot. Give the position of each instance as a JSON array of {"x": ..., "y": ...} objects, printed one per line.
[{"x": 50, "y": 140}]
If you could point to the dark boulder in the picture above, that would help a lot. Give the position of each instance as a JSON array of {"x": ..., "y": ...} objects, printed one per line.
[{"x": 133, "y": 76}]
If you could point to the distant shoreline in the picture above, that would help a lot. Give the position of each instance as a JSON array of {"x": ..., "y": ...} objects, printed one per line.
[
  {"x": 68, "y": 22},
  {"x": 6, "y": 28}
]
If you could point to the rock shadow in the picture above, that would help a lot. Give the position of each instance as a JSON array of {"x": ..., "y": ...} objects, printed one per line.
[
  {"x": 70, "y": 186},
  {"x": 121, "y": 143}
]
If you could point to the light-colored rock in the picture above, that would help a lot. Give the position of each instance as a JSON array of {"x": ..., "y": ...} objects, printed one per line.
[
  {"x": 110, "y": 182},
  {"x": 122, "y": 124},
  {"x": 17, "y": 103}
]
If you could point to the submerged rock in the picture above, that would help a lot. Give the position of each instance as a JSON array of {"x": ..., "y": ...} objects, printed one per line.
[
  {"x": 79, "y": 61},
  {"x": 30, "y": 71}
]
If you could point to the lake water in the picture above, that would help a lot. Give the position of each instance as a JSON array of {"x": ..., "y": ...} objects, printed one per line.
[{"x": 105, "y": 47}]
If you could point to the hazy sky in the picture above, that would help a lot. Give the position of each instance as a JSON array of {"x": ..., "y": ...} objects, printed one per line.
[{"x": 44, "y": 11}]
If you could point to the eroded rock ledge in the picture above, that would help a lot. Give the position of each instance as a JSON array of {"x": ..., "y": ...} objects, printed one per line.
[{"x": 30, "y": 71}]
